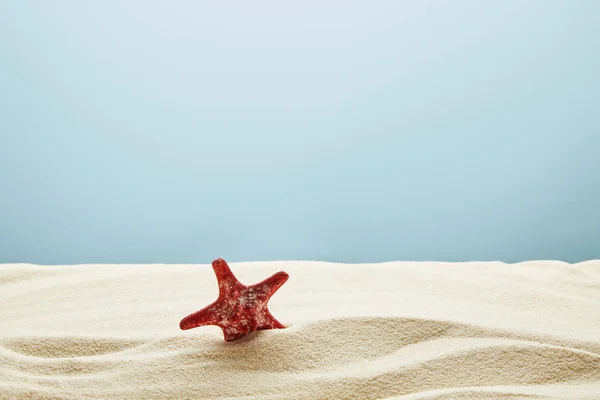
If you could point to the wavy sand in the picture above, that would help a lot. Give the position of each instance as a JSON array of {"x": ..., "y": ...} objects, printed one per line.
[{"x": 392, "y": 330}]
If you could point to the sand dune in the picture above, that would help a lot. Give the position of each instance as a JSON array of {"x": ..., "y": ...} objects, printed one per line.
[{"x": 368, "y": 331}]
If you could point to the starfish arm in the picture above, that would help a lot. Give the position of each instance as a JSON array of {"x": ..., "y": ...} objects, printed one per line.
[
  {"x": 225, "y": 278},
  {"x": 207, "y": 316},
  {"x": 269, "y": 286},
  {"x": 267, "y": 321},
  {"x": 230, "y": 334}
]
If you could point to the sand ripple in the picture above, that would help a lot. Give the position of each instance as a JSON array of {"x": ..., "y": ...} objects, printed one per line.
[
  {"x": 381, "y": 331},
  {"x": 339, "y": 358}
]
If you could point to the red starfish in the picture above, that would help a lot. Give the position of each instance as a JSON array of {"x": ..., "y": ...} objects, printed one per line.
[{"x": 239, "y": 309}]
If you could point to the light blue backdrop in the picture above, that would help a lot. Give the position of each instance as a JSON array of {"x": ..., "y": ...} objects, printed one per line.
[{"x": 142, "y": 132}]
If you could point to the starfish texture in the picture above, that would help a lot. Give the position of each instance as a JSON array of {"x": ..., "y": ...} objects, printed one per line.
[{"x": 239, "y": 309}]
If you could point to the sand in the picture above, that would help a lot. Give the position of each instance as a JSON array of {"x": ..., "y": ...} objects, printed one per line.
[{"x": 402, "y": 330}]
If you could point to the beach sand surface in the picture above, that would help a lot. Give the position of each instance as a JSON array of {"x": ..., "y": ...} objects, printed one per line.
[{"x": 398, "y": 330}]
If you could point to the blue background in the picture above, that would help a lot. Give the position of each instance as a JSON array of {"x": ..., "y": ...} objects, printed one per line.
[{"x": 147, "y": 132}]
